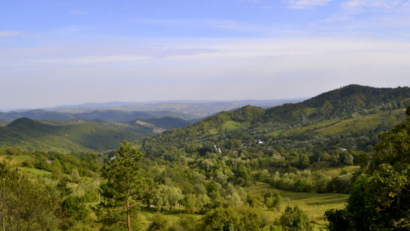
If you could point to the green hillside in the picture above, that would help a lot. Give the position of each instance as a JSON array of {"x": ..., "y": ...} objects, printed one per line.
[
  {"x": 107, "y": 115},
  {"x": 3, "y": 123},
  {"x": 168, "y": 122},
  {"x": 27, "y": 133},
  {"x": 146, "y": 131},
  {"x": 360, "y": 106},
  {"x": 244, "y": 166}
]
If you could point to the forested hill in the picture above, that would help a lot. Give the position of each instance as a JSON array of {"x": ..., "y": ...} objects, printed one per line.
[
  {"x": 342, "y": 102},
  {"x": 328, "y": 108},
  {"x": 168, "y": 122},
  {"x": 27, "y": 133},
  {"x": 108, "y": 115}
]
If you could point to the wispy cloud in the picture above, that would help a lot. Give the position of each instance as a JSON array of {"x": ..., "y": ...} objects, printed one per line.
[
  {"x": 78, "y": 12},
  {"x": 255, "y": 1},
  {"x": 95, "y": 59},
  {"x": 387, "y": 4},
  {"x": 9, "y": 33},
  {"x": 303, "y": 4},
  {"x": 229, "y": 25}
]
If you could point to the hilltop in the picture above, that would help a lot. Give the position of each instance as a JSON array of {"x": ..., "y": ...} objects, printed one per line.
[
  {"x": 353, "y": 104},
  {"x": 27, "y": 133}
]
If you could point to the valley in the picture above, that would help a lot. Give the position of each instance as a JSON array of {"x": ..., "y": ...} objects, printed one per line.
[{"x": 243, "y": 169}]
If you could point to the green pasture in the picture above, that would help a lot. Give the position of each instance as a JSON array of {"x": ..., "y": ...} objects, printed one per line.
[
  {"x": 314, "y": 204},
  {"x": 21, "y": 159},
  {"x": 330, "y": 170},
  {"x": 369, "y": 122},
  {"x": 36, "y": 171},
  {"x": 229, "y": 125}
]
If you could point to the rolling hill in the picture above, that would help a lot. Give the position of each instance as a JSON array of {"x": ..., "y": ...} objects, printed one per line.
[
  {"x": 27, "y": 133},
  {"x": 354, "y": 105},
  {"x": 108, "y": 115},
  {"x": 146, "y": 131},
  {"x": 168, "y": 122}
]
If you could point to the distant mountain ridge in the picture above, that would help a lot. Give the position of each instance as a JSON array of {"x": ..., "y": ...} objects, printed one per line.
[
  {"x": 109, "y": 115},
  {"x": 191, "y": 108}
]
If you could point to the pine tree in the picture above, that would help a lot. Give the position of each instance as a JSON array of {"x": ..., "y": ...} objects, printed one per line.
[{"x": 123, "y": 182}]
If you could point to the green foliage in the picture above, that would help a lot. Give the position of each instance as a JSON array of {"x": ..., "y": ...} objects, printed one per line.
[
  {"x": 75, "y": 176},
  {"x": 294, "y": 219},
  {"x": 123, "y": 183},
  {"x": 74, "y": 208},
  {"x": 167, "y": 196},
  {"x": 243, "y": 218},
  {"x": 168, "y": 122},
  {"x": 63, "y": 188},
  {"x": 82, "y": 137},
  {"x": 272, "y": 199},
  {"x": 25, "y": 205},
  {"x": 380, "y": 199}
]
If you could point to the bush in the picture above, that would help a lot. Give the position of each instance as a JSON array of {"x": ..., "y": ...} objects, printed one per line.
[
  {"x": 294, "y": 219},
  {"x": 159, "y": 223},
  {"x": 272, "y": 199},
  {"x": 238, "y": 219},
  {"x": 29, "y": 163},
  {"x": 74, "y": 208}
]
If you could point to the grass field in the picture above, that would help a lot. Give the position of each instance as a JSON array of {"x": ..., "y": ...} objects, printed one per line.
[
  {"x": 229, "y": 125},
  {"x": 21, "y": 159},
  {"x": 369, "y": 122},
  {"x": 36, "y": 171},
  {"x": 314, "y": 204},
  {"x": 330, "y": 170}
]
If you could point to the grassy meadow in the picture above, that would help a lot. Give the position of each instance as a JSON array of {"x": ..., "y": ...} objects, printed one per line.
[{"x": 313, "y": 204}]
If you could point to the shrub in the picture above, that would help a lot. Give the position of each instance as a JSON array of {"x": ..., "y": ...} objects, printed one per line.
[
  {"x": 159, "y": 223},
  {"x": 294, "y": 219},
  {"x": 272, "y": 199}
]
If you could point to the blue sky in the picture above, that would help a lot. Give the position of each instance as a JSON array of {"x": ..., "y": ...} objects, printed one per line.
[{"x": 69, "y": 52}]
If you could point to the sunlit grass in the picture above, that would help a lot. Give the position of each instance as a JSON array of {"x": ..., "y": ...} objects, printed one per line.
[
  {"x": 36, "y": 171},
  {"x": 21, "y": 159},
  {"x": 314, "y": 204}
]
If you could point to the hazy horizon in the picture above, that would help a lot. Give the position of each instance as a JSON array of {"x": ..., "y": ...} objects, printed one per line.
[
  {"x": 71, "y": 52},
  {"x": 55, "y": 107}
]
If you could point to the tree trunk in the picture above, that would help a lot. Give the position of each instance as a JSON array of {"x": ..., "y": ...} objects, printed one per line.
[{"x": 128, "y": 213}]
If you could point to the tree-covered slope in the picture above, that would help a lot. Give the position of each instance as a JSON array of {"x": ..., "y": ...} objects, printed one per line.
[
  {"x": 27, "y": 133},
  {"x": 146, "y": 131},
  {"x": 168, "y": 122},
  {"x": 107, "y": 115},
  {"x": 342, "y": 102},
  {"x": 321, "y": 111}
]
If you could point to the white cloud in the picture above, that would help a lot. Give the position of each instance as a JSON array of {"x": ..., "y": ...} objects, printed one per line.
[
  {"x": 303, "y": 4},
  {"x": 202, "y": 68},
  {"x": 387, "y": 4},
  {"x": 9, "y": 33},
  {"x": 78, "y": 12}
]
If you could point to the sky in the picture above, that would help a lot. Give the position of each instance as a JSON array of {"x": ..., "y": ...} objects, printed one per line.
[{"x": 71, "y": 52}]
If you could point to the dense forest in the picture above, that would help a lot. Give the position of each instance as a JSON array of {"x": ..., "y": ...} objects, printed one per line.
[{"x": 338, "y": 161}]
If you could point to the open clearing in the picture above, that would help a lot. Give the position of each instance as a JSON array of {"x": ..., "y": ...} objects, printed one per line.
[{"x": 314, "y": 204}]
